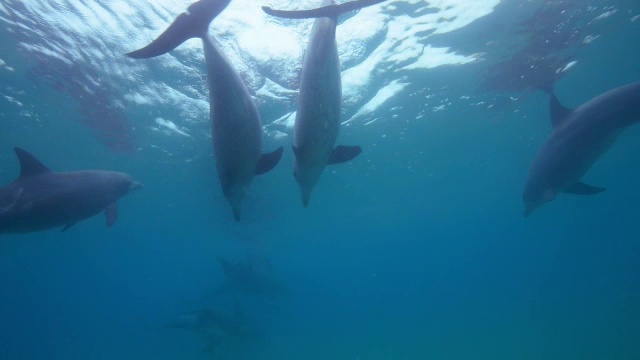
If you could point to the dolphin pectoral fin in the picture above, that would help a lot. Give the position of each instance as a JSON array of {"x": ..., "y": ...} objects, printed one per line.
[
  {"x": 557, "y": 111},
  {"x": 268, "y": 161},
  {"x": 581, "y": 188},
  {"x": 111, "y": 213},
  {"x": 343, "y": 154},
  {"x": 66, "y": 227}
]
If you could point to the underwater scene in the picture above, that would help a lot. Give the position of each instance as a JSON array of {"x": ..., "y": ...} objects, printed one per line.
[{"x": 358, "y": 179}]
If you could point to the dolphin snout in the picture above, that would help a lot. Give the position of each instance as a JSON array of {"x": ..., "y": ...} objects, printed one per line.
[{"x": 135, "y": 186}]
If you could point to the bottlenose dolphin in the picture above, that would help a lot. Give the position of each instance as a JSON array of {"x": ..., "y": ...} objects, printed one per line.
[
  {"x": 578, "y": 139},
  {"x": 249, "y": 278},
  {"x": 41, "y": 199},
  {"x": 236, "y": 126},
  {"x": 217, "y": 328},
  {"x": 320, "y": 98}
]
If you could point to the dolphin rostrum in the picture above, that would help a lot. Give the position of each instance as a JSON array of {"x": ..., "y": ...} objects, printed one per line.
[
  {"x": 41, "y": 199},
  {"x": 236, "y": 126},
  {"x": 319, "y": 101},
  {"x": 578, "y": 139}
]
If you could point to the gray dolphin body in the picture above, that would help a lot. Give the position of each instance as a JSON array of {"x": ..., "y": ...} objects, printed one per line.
[
  {"x": 578, "y": 139},
  {"x": 320, "y": 98},
  {"x": 236, "y": 125},
  {"x": 217, "y": 328},
  {"x": 245, "y": 277},
  {"x": 40, "y": 199}
]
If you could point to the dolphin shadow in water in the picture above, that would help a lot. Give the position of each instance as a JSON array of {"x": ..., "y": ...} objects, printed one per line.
[
  {"x": 236, "y": 126},
  {"x": 219, "y": 331},
  {"x": 317, "y": 120},
  {"x": 579, "y": 137},
  {"x": 40, "y": 199},
  {"x": 250, "y": 278}
]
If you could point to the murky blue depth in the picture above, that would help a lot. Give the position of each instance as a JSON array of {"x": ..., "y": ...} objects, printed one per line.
[{"x": 416, "y": 249}]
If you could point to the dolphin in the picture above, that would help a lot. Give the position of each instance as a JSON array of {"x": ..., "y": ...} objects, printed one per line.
[
  {"x": 252, "y": 279},
  {"x": 40, "y": 199},
  {"x": 319, "y": 101},
  {"x": 236, "y": 126},
  {"x": 217, "y": 328},
  {"x": 579, "y": 137}
]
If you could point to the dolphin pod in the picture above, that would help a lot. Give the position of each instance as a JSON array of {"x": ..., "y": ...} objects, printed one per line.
[
  {"x": 40, "y": 199},
  {"x": 236, "y": 126},
  {"x": 317, "y": 120},
  {"x": 578, "y": 139}
]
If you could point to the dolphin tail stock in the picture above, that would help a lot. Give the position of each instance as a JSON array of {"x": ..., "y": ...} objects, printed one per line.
[
  {"x": 332, "y": 11},
  {"x": 193, "y": 23}
]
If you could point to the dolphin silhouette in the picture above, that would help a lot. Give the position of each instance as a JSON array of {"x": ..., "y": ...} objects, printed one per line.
[
  {"x": 236, "y": 126},
  {"x": 41, "y": 199},
  {"x": 320, "y": 98},
  {"x": 578, "y": 139}
]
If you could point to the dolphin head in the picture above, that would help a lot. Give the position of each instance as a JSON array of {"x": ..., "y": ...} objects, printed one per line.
[
  {"x": 235, "y": 194},
  {"x": 307, "y": 175},
  {"x": 535, "y": 195}
]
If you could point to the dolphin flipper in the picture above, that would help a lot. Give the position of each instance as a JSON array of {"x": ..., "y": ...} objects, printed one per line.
[
  {"x": 190, "y": 24},
  {"x": 268, "y": 161},
  {"x": 343, "y": 154},
  {"x": 111, "y": 213},
  {"x": 332, "y": 11},
  {"x": 581, "y": 188},
  {"x": 66, "y": 227}
]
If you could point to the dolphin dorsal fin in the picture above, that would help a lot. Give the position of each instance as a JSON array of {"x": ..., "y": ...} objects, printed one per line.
[
  {"x": 558, "y": 111},
  {"x": 29, "y": 165}
]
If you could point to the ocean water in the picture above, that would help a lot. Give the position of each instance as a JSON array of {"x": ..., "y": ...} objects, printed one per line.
[{"x": 416, "y": 249}]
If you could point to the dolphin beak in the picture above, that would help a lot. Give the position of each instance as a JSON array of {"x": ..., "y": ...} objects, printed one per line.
[
  {"x": 135, "y": 186},
  {"x": 528, "y": 209},
  {"x": 236, "y": 213}
]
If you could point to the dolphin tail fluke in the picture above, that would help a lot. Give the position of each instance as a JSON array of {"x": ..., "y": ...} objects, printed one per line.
[
  {"x": 269, "y": 161},
  {"x": 343, "y": 154},
  {"x": 332, "y": 11},
  {"x": 191, "y": 24}
]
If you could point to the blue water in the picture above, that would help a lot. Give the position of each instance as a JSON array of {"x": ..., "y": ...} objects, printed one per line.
[{"x": 417, "y": 249}]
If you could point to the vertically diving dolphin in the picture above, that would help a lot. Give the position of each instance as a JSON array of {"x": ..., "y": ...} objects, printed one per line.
[
  {"x": 320, "y": 98},
  {"x": 236, "y": 126},
  {"x": 41, "y": 199},
  {"x": 578, "y": 139}
]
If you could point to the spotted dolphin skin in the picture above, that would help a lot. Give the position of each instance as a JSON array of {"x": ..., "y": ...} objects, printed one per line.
[
  {"x": 40, "y": 199},
  {"x": 578, "y": 139},
  {"x": 320, "y": 98},
  {"x": 236, "y": 126}
]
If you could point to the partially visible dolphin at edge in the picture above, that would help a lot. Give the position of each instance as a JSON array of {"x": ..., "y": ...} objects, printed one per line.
[
  {"x": 578, "y": 139},
  {"x": 320, "y": 98},
  {"x": 236, "y": 125},
  {"x": 40, "y": 199}
]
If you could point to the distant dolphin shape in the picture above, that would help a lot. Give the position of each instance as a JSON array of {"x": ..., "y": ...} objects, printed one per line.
[
  {"x": 236, "y": 126},
  {"x": 578, "y": 139},
  {"x": 40, "y": 199},
  {"x": 320, "y": 98},
  {"x": 246, "y": 277}
]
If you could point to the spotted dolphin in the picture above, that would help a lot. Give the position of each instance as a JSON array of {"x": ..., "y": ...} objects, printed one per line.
[
  {"x": 320, "y": 97},
  {"x": 577, "y": 140},
  {"x": 40, "y": 199},
  {"x": 236, "y": 125}
]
